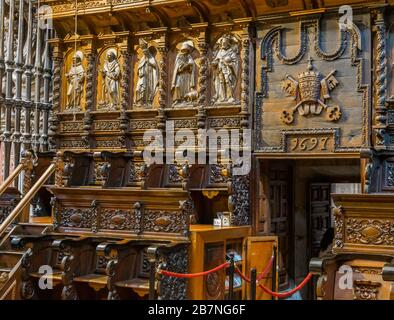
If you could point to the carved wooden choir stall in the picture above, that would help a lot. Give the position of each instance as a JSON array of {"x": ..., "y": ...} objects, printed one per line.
[{"x": 180, "y": 135}]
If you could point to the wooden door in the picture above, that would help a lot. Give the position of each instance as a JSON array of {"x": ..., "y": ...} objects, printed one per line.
[
  {"x": 320, "y": 214},
  {"x": 258, "y": 251},
  {"x": 280, "y": 198}
]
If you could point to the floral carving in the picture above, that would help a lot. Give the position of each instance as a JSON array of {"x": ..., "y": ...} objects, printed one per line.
[{"x": 369, "y": 231}]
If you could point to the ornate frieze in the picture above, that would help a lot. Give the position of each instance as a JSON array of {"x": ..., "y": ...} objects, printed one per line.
[
  {"x": 224, "y": 122},
  {"x": 370, "y": 231},
  {"x": 106, "y": 125},
  {"x": 142, "y": 124},
  {"x": 71, "y": 126}
]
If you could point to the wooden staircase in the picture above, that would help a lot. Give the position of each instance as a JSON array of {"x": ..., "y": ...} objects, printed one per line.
[{"x": 11, "y": 259}]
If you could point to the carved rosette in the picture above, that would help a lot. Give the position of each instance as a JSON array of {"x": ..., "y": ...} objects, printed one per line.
[
  {"x": 380, "y": 126},
  {"x": 176, "y": 260}
]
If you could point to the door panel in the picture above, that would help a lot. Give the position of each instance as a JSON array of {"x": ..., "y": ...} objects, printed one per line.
[
  {"x": 280, "y": 195},
  {"x": 258, "y": 253},
  {"x": 320, "y": 214}
]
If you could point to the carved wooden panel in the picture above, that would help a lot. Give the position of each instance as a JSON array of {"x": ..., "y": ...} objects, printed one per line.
[
  {"x": 312, "y": 88},
  {"x": 214, "y": 282},
  {"x": 363, "y": 225}
]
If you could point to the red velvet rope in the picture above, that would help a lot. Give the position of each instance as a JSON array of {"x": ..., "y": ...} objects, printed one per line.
[
  {"x": 266, "y": 269},
  {"x": 261, "y": 276},
  {"x": 287, "y": 293},
  {"x": 193, "y": 275}
]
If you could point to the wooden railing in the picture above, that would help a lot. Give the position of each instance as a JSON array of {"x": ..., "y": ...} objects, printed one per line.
[{"x": 27, "y": 163}]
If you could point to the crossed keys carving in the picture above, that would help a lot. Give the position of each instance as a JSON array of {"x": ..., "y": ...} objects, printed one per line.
[{"x": 310, "y": 90}]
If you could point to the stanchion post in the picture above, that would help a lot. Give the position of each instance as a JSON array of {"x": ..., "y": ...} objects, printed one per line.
[
  {"x": 273, "y": 286},
  {"x": 152, "y": 279},
  {"x": 231, "y": 271},
  {"x": 253, "y": 278}
]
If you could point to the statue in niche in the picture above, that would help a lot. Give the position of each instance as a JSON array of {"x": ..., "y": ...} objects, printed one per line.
[
  {"x": 75, "y": 78},
  {"x": 111, "y": 78},
  {"x": 225, "y": 64},
  {"x": 148, "y": 77},
  {"x": 185, "y": 74}
]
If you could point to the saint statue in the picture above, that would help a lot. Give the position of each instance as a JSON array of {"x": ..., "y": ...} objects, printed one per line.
[
  {"x": 148, "y": 77},
  {"x": 225, "y": 64},
  {"x": 184, "y": 78},
  {"x": 75, "y": 78},
  {"x": 111, "y": 77}
]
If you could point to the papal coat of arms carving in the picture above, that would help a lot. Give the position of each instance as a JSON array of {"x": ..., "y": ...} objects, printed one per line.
[{"x": 311, "y": 91}]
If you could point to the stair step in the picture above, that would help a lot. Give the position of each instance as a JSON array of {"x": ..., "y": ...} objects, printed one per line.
[
  {"x": 8, "y": 259},
  {"x": 92, "y": 278},
  {"x": 30, "y": 228},
  {"x": 55, "y": 276},
  {"x": 7, "y": 270},
  {"x": 136, "y": 283}
]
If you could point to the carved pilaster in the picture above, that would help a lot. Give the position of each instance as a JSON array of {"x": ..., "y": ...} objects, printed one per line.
[
  {"x": 202, "y": 81},
  {"x": 125, "y": 82},
  {"x": 54, "y": 121},
  {"x": 380, "y": 119},
  {"x": 27, "y": 290},
  {"x": 90, "y": 83},
  {"x": 55, "y": 213},
  {"x": 245, "y": 81},
  {"x": 175, "y": 260},
  {"x": 163, "y": 78}
]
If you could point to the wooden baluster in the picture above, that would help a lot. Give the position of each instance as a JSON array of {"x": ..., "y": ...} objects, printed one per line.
[
  {"x": 16, "y": 136},
  {"x": 9, "y": 66},
  {"x": 28, "y": 76}
]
